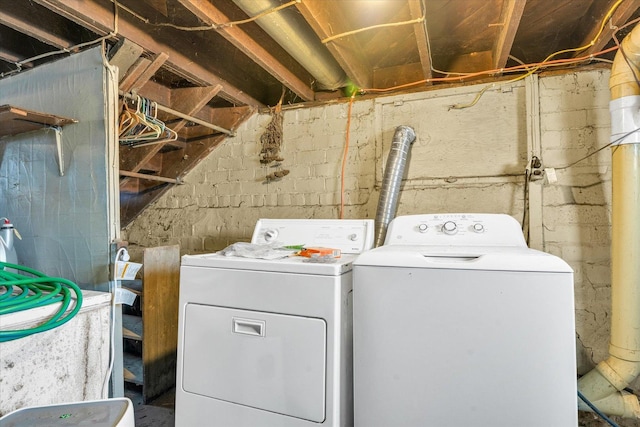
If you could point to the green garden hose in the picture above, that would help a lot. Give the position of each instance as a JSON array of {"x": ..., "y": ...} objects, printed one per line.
[{"x": 20, "y": 292}]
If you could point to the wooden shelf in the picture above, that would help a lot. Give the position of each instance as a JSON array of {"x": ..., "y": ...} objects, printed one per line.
[
  {"x": 14, "y": 120},
  {"x": 133, "y": 371},
  {"x": 132, "y": 327}
]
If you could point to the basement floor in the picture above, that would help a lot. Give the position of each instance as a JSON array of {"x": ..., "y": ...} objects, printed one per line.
[
  {"x": 160, "y": 412},
  {"x": 157, "y": 413}
]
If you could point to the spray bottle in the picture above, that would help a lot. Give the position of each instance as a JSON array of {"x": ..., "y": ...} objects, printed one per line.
[{"x": 7, "y": 251}]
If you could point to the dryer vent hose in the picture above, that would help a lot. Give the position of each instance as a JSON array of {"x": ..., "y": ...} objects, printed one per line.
[{"x": 394, "y": 171}]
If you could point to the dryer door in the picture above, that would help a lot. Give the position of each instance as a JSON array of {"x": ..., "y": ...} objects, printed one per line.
[{"x": 267, "y": 361}]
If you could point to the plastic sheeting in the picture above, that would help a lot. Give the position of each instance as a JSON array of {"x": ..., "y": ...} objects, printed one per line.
[{"x": 67, "y": 222}]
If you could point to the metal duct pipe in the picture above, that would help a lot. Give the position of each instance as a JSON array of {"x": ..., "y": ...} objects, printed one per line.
[
  {"x": 604, "y": 385},
  {"x": 290, "y": 31},
  {"x": 390, "y": 191}
]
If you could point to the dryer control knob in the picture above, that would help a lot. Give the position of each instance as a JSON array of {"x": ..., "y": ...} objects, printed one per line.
[
  {"x": 423, "y": 228},
  {"x": 478, "y": 228},
  {"x": 353, "y": 237},
  {"x": 449, "y": 227},
  {"x": 270, "y": 235}
]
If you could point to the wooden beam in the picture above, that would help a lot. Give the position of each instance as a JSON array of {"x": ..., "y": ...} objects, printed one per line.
[
  {"x": 509, "y": 23},
  {"x": 98, "y": 16},
  {"x": 154, "y": 65},
  {"x": 622, "y": 14},
  {"x": 208, "y": 13},
  {"x": 159, "y": 5},
  {"x": 150, "y": 177},
  {"x": 15, "y": 15},
  {"x": 133, "y": 73},
  {"x": 123, "y": 55},
  {"x": 327, "y": 19},
  {"x": 10, "y": 56},
  {"x": 415, "y": 7}
]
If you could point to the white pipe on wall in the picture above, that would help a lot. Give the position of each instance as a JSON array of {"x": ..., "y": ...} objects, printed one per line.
[{"x": 604, "y": 385}]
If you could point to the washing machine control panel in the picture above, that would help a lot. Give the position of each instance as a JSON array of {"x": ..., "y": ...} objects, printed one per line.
[
  {"x": 455, "y": 229},
  {"x": 351, "y": 236}
]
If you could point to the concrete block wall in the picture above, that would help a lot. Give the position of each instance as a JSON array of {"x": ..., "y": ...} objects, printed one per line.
[
  {"x": 224, "y": 195},
  {"x": 464, "y": 160}
]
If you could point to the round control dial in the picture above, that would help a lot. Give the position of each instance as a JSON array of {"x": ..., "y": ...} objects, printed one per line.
[
  {"x": 449, "y": 227},
  {"x": 270, "y": 235},
  {"x": 478, "y": 228},
  {"x": 423, "y": 228}
]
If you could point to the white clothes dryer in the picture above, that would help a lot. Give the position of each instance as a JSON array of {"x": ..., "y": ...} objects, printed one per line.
[
  {"x": 269, "y": 342},
  {"x": 458, "y": 323}
]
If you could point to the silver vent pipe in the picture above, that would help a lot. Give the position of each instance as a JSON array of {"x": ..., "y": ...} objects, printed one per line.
[
  {"x": 394, "y": 171},
  {"x": 290, "y": 30}
]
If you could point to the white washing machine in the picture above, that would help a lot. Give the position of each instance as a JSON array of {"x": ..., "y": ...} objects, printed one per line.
[
  {"x": 458, "y": 323},
  {"x": 269, "y": 342}
]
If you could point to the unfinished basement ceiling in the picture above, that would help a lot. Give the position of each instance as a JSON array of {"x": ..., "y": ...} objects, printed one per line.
[{"x": 209, "y": 60}]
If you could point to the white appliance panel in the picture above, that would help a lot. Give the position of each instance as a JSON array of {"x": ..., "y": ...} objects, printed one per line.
[
  {"x": 457, "y": 322},
  {"x": 447, "y": 348},
  {"x": 351, "y": 236},
  {"x": 267, "y": 361},
  {"x": 460, "y": 230},
  {"x": 296, "y": 295}
]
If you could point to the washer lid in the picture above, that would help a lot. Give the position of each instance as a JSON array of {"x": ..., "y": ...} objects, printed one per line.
[
  {"x": 490, "y": 258},
  {"x": 294, "y": 264}
]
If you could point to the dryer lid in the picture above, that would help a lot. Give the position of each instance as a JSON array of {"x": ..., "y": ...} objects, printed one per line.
[{"x": 293, "y": 264}]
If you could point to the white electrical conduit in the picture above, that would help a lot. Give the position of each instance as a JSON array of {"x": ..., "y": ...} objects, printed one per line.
[
  {"x": 604, "y": 385},
  {"x": 299, "y": 41}
]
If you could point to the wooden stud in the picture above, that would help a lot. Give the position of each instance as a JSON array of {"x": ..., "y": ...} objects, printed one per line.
[
  {"x": 123, "y": 55},
  {"x": 208, "y": 13},
  {"x": 415, "y": 7},
  {"x": 510, "y": 21}
]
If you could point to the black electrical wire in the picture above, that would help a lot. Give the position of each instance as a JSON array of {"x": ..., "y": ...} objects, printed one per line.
[
  {"x": 597, "y": 411},
  {"x": 525, "y": 208},
  {"x": 599, "y": 149}
]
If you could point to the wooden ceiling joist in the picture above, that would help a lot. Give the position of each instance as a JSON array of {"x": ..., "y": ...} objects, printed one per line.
[
  {"x": 415, "y": 7},
  {"x": 622, "y": 14},
  {"x": 99, "y": 17},
  {"x": 509, "y": 22},
  {"x": 209, "y": 14},
  {"x": 346, "y": 51},
  {"x": 151, "y": 67},
  {"x": 14, "y": 15},
  {"x": 8, "y": 56},
  {"x": 123, "y": 55}
]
